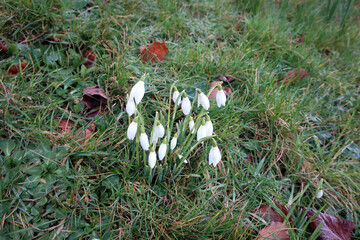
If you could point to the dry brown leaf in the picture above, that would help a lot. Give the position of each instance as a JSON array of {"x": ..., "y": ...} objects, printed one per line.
[
  {"x": 334, "y": 228},
  {"x": 3, "y": 48},
  {"x": 154, "y": 52},
  {"x": 294, "y": 76},
  {"x": 15, "y": 69},
  {"x": 67, "y": 127},
  {"x": 271, "y": 214},
  {"x": 276, "y": 230},
  {"x": 91, "y": 58},
  {"x": 93, "y": 95}
]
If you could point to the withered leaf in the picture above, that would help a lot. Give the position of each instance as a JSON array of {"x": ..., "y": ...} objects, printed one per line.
[
  {"x": 226, "y": 79},
  {"x": 67, "y": 127},
  {"x": 15, "y": 69},
  {"x": 93, "y": 95},
  {"x": 294, "y": 76},
  {"x": 154, "y": 52},
  {"x": 272, "y": 214},
  {"x": 334, "y": 228},
  {"x": 3, "y": 48},
  {"x": 276, "y": 230},
  {"x": 91, "y": 58}
]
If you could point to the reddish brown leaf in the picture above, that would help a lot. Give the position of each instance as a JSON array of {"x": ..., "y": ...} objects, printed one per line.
[
  {"x": 99, "y": 112},
  {"x": 154, "y": 52},
  {"x": 276, "y": 2},
  {"x": 326, "y": 52},
  {"x": 93, "y": 95},
  {"x": 294, "y": 76},
  {"x": 334, "y": 228},
  {"x": 3, "y": 48},
  {"x": 276, "y": 230},
  {"x": 226, "y": 79},
  {"x": 91, "y": 58},
  {"x": 67, "y": 127},
  {"x": 15, "y": 69},
  {"x": 271, "y": 214},
  {"x": 301, "y": 39},
  {"x": 227, "y": 91}
]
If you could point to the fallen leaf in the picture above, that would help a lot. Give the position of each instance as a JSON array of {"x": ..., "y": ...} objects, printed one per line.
[
  {"x": 91, "y": 58},
  {"x": 326, "y": 52},
  {"x": 93, "y": 95},
  {"x": 300, "y": 39},
  {"x": 276, "y": 230},
  {"x": 227, "y": 79},
  {"x": 271, "y": 214},
  {"x": 334, "y": 228},
  {"x": 99, "y": 112},
  {"x": 67, "y": 127},
  {"x": 154, "y": 52},
  {"x": 3, "y": 48},
  {"x": 15, "y": 69},
  {"x": 294, "y": 76}
]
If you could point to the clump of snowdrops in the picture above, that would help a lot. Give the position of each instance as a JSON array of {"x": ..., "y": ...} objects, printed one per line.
[{"x": 169, "y": 144}]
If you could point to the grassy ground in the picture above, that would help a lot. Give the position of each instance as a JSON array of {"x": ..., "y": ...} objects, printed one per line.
[{"x": 295, "y": 135}]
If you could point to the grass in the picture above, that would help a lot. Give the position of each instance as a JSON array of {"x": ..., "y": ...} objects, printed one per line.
[{"x": 295, "y": 135}]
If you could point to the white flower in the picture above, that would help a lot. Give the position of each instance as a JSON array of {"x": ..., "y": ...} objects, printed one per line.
[
  {"x": 154, "y": 138},
  {"x": 130, "y": 107},
  {"x": 320, "y": 194},
  {"x": 159, "y": 130},
  {"x": 152, "y": 158},
  {"x": 209, "y": 126},
  {"x": 204, "y": 101},
  {"x": 191, "y": 125},
  {"x": 173, "y": 142},
  {"x": 214, "y": 155},
  {"x": 131, "y": 131},
  {"x": 201, "y": 133},
  {"x": 176, "y": 94},
  {"x": 138, "y": 91},
  {"x": 144, "y": 141},
  {"x": 162, "y": 150},
  {"x": 220, "y": 97},
  {"x": 181, "y": 156},
  {"x": 186, "y": 105}
]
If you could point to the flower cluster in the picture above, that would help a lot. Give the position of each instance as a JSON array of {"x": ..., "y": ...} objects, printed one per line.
[{"x": 203, "y": 127}]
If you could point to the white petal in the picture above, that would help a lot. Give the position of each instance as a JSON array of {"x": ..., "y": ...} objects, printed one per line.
[
  {"x": 320, "y": 194},
  {"x": 154, "y": 138},
  {"x": 138, "y": 91},
  {"x": 186, "y": 106},
  {"x": 159, "y": 131},
  {"x": 220, "y": 98},
  {"x": 152, "y": 159},
  {"x": 130, "y": 107},
  {"x": 144, "y": 141},
  {"x": 173, "y": 143},
  {"x": 176, "y": 94},
  {"x": 131, "y": 131},
  {"x": 191, "y": 126},
  {"x": 162, "y": 151},
  {"x": 201, "y": 132},
  {"x": 209, "y": 128},
  {"x": 214, "y": 156},
  {"x": 181, "y": 157},
  {"x": 205, "y": 103}
]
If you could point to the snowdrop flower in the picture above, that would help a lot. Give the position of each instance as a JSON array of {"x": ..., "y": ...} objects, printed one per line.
[
  {"x": 214, "y": 155},
  {"x": 162, "y": 150},
  {"x": 209, "y": 126},
  {"x": 220, "y": 97},
  {"x": 186, "y": 105},
  {"x": 201, "y": 133},
  {"x": 138, "y": 91},
  {"x": 152, "y": 158},
  {"x": 191, "y": 125},
  {"x": 203, "y": 100},
  {"x": 181, "y": 156},
  {"x": 144, "y": 140},
  {"x": 130, "y": 107},
  {"x": 154, "y": 138},
  {"x": 173, "y": 142},
  {"x": 159, "y": 130},
  {"x": 131, "y": 131},
  {"x": 176, "y": 94},
  {"x": 320, "y": 194}
]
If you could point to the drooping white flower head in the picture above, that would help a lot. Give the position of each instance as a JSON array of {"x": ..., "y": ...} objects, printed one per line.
[
  {"x": 152, "y": 158},
  {"x": 144, "y": 140},
  {"x": 191, "y": 125},
  {"x": 209, "y": 126},
  {"x": 138, "y": 91},
  {"x": 201, "y": 133},
  {"x": 181, "y": 157},
  {"x": 162, "y": 150},
  {"x": 176, "y": 94},
  {"x": 132, "y": 129},
  {"x": 186, "y": 105},
  {"x": 173, "y": 142},
  {"x": 320, "y": 194},
  {"x": 159, "y": 130},
  {"x": 220, "y": 97},
  {"x": 214, "y": 154},
  {"x": 203, "y": 100},
  {"x": 130, "y": 107}
]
